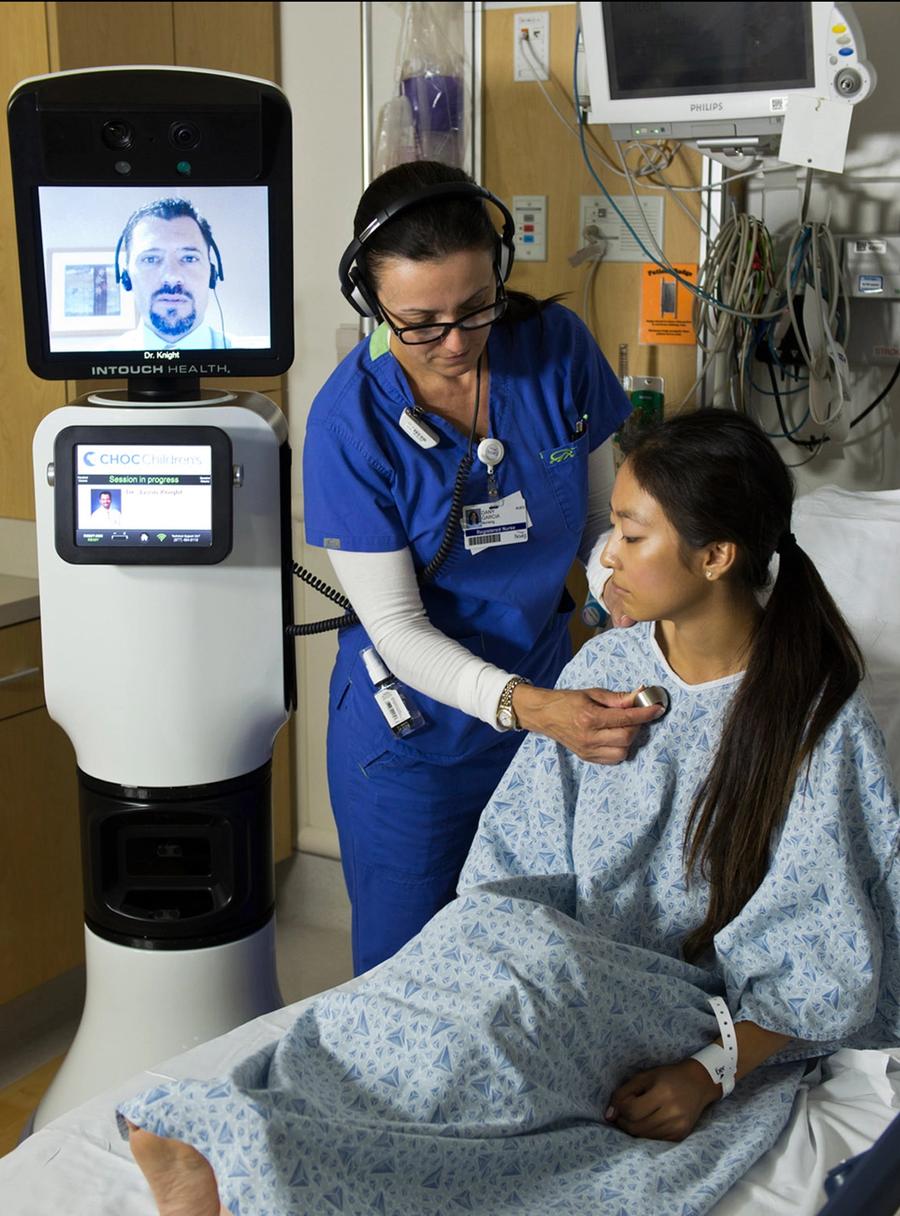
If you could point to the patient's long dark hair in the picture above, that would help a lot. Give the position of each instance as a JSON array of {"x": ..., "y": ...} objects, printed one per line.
[{"x": 718, "y": 478}]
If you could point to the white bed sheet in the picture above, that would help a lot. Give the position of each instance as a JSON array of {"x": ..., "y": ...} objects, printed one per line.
[{"x": 79, "y": 1166}]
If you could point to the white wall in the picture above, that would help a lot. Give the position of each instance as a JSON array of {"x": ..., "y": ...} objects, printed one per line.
[
  {"x": 321, "y": 74},
  {"x": 865, "y": 199}
]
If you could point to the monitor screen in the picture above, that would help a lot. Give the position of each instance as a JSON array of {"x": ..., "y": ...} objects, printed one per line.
[
  {"x": 156, "y": 271},
  {"x": 669, "y": 50},
  {"x": 143, "y": 495},
  {"x": 153, "y": 220},
  {"x": 153, "y": 495}
]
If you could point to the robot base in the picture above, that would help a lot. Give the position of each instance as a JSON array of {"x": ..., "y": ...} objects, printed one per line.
[{"x": 143, "y": 1006}]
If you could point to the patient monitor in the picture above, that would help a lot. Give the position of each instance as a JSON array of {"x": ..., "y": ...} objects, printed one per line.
[
  {"x": 726, "y": 75},
  {"x": 153, "y": 209}
]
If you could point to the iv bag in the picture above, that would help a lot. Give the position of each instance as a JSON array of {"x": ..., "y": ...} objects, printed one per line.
[{"x": 426, "y": 120}]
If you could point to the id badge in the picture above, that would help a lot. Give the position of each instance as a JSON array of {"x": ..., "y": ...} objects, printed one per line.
[{"x": 502, "y": 521}]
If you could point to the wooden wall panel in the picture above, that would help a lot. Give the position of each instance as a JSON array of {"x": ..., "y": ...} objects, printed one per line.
[
  {"x": 93, "y": 35},
  {"x": 527, "y": 150},
  {"x": 25, "y": 400},
  {"x": 235, "y": 37}
]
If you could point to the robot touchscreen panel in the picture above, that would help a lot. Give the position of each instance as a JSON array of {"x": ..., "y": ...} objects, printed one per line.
[
  {"x": 157, "y": 270},
  {"x": 143, "y": 494}
]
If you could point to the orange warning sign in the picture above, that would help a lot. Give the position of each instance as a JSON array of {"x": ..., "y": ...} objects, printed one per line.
[{"x": 666, "y": 306}]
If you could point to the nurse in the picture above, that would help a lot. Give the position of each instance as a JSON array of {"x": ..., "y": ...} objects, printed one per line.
[{"x": 453, "y": 470}]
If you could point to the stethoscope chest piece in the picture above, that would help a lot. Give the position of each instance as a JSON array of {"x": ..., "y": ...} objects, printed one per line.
[{"x": 654, "y": 695}]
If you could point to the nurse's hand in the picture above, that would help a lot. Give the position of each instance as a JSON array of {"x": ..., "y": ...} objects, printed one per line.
[{"x": 597, "y": 725}]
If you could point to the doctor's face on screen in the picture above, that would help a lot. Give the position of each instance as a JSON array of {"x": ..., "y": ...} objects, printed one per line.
[{"x": 169, "y": 267}]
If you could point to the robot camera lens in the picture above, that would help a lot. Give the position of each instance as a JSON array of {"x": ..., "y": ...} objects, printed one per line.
[
  {"x": 184, "y": 134},
  {"x": 117, "y": 134}
]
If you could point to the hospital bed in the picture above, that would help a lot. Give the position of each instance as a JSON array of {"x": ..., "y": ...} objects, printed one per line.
[{"x": 78, "y": 1165}]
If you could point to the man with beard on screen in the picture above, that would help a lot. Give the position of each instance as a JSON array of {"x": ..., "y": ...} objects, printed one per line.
[{"x": 165, "y": 256}]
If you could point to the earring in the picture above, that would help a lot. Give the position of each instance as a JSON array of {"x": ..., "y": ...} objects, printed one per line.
[{"x": 709, "y": 574}]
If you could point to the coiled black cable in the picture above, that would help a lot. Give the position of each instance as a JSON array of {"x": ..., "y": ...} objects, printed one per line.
[{"x": 451, "y": 534}]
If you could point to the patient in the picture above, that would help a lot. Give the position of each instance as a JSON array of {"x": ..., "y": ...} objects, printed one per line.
[{"x": 532, "y": 1050}]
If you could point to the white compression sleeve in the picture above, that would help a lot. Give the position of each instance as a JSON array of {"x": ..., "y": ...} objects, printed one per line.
[{"x": 384, "y": 592}]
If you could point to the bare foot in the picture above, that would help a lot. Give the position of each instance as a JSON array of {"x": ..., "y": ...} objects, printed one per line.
[{"x": 181, "y": 1179}]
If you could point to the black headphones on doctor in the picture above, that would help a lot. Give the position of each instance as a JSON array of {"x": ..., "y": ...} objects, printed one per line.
[
  {"x": 169, "y": 209},
  {"x": 353, "y": 284}
]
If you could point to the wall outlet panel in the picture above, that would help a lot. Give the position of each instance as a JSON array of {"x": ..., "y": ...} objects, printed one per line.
[
  {"x": 597, "y": 221},
  {"x": 531, "y": 66},
  {"x": 530, "y": 214}
]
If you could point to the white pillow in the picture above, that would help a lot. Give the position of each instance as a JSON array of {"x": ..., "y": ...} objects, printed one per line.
[{"x": 853, "y": 536}]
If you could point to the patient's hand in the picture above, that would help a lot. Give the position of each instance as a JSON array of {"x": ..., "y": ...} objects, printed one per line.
[{"x": 663, "y": 1103}]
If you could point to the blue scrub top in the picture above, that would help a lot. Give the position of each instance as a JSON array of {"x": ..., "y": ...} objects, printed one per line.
[{"x": 368, "y": 487}]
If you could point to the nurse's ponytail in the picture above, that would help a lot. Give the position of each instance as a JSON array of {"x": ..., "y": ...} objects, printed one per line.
[{"x": 718, "y": 478}]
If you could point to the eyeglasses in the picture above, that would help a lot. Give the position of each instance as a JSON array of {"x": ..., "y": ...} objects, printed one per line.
[{"x": 418, "y": 335}]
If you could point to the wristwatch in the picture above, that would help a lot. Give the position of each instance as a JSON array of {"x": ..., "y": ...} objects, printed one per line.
[{"x": 506, "y": 715}]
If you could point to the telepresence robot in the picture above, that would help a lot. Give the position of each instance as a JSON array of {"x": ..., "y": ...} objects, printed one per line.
[{"x": 163, "y": 525}]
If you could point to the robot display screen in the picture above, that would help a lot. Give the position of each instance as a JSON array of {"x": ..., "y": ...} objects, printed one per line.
[
  {"x": 657, "y": 50},
  {"x": 160, "y": 270},
  {"x": 153, "y": 495}
]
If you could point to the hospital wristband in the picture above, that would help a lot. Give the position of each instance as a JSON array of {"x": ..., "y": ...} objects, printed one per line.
[{"x": 721, "y": 1062}]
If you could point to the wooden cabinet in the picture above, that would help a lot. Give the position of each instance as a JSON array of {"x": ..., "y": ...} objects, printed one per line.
[{"x": 41, "y": 918}]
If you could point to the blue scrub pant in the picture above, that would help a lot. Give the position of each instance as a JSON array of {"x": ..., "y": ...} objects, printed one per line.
[{"x": 405, "y": 827}]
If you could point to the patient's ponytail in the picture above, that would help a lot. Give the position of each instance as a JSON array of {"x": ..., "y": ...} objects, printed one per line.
[{"x": 718, "y": 478}]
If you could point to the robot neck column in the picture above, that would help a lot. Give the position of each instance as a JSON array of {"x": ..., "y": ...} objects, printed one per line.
[{"x": 162, "y": 389}]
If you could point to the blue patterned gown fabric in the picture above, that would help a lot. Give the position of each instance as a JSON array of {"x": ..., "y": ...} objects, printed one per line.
[{"x": 470, "y": 1072}]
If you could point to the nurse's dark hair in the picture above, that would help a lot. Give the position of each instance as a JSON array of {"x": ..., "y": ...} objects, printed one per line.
[
  {"x": 429, "y": 231},
  {"x": 718, "y": 478}
]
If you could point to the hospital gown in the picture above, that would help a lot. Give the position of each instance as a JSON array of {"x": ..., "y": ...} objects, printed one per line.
[{"x": 470, "y": 1072}]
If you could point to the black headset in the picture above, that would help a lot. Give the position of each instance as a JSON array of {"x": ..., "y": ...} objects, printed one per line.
[
  {"x": 216, "y": 273},
  {"x": 353, "y": 285}
]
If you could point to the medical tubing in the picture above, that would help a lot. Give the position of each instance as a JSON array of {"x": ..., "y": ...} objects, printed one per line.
[{"x": 429, "y": 571}]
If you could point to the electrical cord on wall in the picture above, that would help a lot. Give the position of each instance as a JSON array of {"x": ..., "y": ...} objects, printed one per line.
[{"x": 881, "y": 396}]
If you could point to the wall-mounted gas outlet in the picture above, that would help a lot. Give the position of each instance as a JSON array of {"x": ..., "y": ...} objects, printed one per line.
[
  {"x": 530, "y": 214},
  {"x": 530, "y": 61}
]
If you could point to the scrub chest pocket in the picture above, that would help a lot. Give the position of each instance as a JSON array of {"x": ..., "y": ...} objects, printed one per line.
[{"x": 565, "y": 468}]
